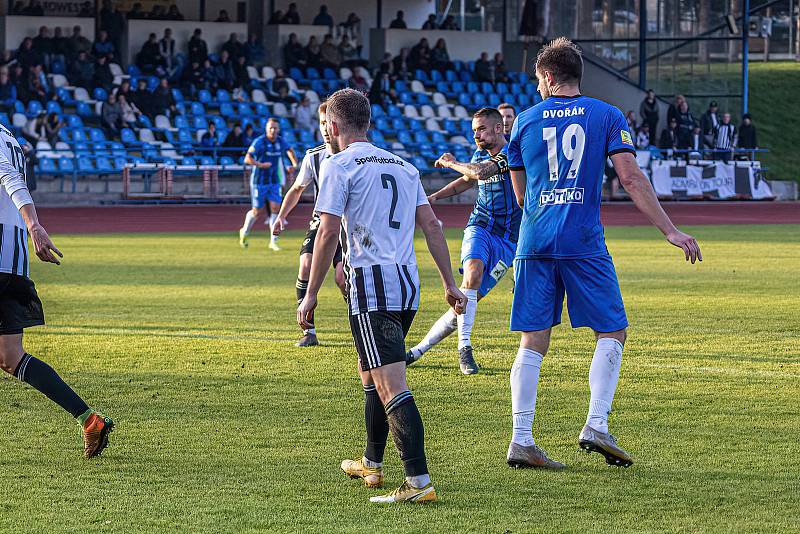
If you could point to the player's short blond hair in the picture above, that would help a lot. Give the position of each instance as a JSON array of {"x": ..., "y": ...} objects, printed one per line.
[
  {"x": 561, "y": 58},
  {"x": 350, "y": 110}
]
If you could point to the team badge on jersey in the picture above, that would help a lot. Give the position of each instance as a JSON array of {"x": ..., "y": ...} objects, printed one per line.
[{"x": 626, "y": 137}]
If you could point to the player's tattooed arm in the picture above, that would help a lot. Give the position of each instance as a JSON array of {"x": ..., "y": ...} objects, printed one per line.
[
  {"x": 456, "y": 187},
  {"x": 472, "y": 171}
]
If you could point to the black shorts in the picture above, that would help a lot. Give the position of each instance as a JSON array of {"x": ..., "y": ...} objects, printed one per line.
[
  {"x": 20, "y": 306},
  {"x": 380, "y": 337},
  {"x": 307, "y": 247}
]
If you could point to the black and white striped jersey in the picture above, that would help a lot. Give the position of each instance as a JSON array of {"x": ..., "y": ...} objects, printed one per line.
[
  {"x": 309, "y": 168},
  {"x": 13, "y": 232},
  {"x": 725, "y": 136},
  {"x": 377, "y": 194}
]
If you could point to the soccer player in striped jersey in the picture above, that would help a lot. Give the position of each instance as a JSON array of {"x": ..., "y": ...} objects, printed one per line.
[
  {"x": 266, "y": 179},
  {"x": 307, "y": 176},
  {"x": 20, "y": 307},
  {"x": 380, "y": 199},
  {"x": 490, "y": 239}
]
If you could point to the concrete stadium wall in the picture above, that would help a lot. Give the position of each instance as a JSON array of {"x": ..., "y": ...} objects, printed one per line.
[
  {"x": 13, "y": 29},
  {"x": 463, "y": 46},
  {"x": 214, "y": 33}
]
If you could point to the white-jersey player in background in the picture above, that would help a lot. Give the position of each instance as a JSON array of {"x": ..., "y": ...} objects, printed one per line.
[
  {"x": 380, "y": 199},
  {"x": 20, "y": 306},
  {"x": 308, "y": 176}
]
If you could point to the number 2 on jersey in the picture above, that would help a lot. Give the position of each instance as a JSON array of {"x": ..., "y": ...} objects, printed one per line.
[
  {"x": 574, "y": 154},
  {"x": 389, "y": 181}
]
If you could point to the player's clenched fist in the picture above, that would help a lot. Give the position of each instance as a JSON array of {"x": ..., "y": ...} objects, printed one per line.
[
  {"x": 444, "y": 160},
  {"x": 456, "y": 299},
  {"x": 305, "y": 312}
]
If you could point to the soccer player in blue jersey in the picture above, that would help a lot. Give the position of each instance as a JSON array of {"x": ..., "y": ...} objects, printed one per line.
[
  {"x": 557, "y": 155},
  {"x": 266, "y": 178},
  {"x": 490, "y": 238}
]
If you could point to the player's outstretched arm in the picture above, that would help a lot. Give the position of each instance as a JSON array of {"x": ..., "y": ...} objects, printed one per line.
[
  {"x": 289, "y": 202},
  {"x": 324, "y": 249},
  {"x": 482, "y": 170},
  {"x": 641, "y": 191},
  {"x": 456, "y": 187},
  {"x": 437, "y": 246}
]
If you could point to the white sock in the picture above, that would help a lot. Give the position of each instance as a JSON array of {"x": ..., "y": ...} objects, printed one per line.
[
  {"x": 419, "y": 481},
  {"x": 372, "y": 465},
  {"x": 312, "y": 331},
  {"x": 467, "y": 319},
  {"x": 603, "y": 378},
  {"x": 249, "y": 221},
  {"x": 524, "y": 382},
  {"x": 273, "y": 218},
  {"x": 443, "y": 327}
]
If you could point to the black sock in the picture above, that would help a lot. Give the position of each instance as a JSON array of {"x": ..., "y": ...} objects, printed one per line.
[
  {"x": 41, "y": 376},
  {"x": 301, "y": 286},
  {"x": 377, "y": 425},
  {"x": 407, "y": 432}
]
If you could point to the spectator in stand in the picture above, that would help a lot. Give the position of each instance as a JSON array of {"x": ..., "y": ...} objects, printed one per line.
[
  {"x": 60, "y": 45},
  {"x": 209, "y": 141},
  {"x": 193, "y": 79},
  {"x": 166, "y": 49},
  {"x": 223, "y": 72},
  {"x": 329, "y": 53},
  {"x": 7, "y": 59},
  {"x": 27, "y": 56},
  {"x": 240, "y": 75},
  {"x": 401, "y": 65},
  {"x": 358, "y": 82},
  {"x": 697, "y": 143},
  {"x": 648, "y": 111},
  {"x": 254, "y": 51},
  {"x": 233, "y": 47},
  {"x": 278, "y": 89},
  {"x": 198, "y": 49},
  {"x": 276, "y": 18},
  {"x": 210, "y": 76},
  {"x": 725, "y": 137},
  {"x": 111, "y": 115},
  {"x": 8, "y": 93},
  {"x": 35, "y": 129},
  {"x": 686, "y": 123},
  {"x": 449, "y": 24},
  {"x": 440, "y": 59},
  {"x": 103, "y": 46},
  {"x": 304, "y": 115},
  {"x": 223, "y": 16},
  {"x": 672, "y": 111},
  {"x": 124, "y": 89},
  {"x": 235, "y": 139},
  {"x": 163, "y": 103},
  {"x": 103, "y": 77},
  {"x": 420, "y": 56},
  {"x": 173, "y": 13},
  {"x": 149, "y": 57},
  {"x": 248, "y": 136},
  {"x": 78, "y": 43},
  {"x": 136, "y": 12},
  {"x": 38, "y": 89},
  {"x": 630, "y": 118},
  {"x": 710, "y": 120},
  {"x": 382, "y": 93},
  {"x": 313, "y": 52},
  {"x": 747, "y": 133},
  {"x": 34, "y": 9},
  {"x": 399, "y": 23},
  {"x": 291, "y": 16},
  {"x": 113, "y": 22},
  {"x": 500, "y": 72},
  {"x": 294, "y": 55},
  {"x": 130, "y": 113},
  {"x": 157, "y": 13},
  {"x": 43, "y": 45},
  {"x": 323, "y": 18},
  {"x": 669, "y": 136},
  {"x": 351, "y": 27},
  {"x": 81, "y": 71},
  {"x": 351, "y": 55},
  {"x": 53, "y": 125},
  {"x": 20, "y": 82},
  {"x": 386, "y": 64},
  {"x": 643, "y": 137},
  {"x": 143, "y": 98},
  {"x": 86, "y": 10},
  {"x": 484, "y": 70},
  {"x": 430, "y": 24}
]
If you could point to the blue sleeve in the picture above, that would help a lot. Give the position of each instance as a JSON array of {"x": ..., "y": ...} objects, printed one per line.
[
  {"x": 619, "y": 137},
  {"x": 475, "y": 156},
  {"x": 515, "y": 162}
]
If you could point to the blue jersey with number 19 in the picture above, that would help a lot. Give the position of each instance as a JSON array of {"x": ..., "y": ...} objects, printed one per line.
[{"x": 562, "y": 144}]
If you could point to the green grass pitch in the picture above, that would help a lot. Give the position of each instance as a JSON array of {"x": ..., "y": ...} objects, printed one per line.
[{"x": 223, "y": 425}]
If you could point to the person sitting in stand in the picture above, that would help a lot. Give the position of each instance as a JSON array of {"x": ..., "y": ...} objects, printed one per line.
[
  {"x": 223, "y": 72},
  {"x": 643, "y": 137},
  {"x": 329, "y": 53},
  {"x": 399, "y": 22},
  {"x": 323, "y": 18},
  {"x": 294, "y": 55},
  {"x": 130, "y": 113},
  {"x": 669, "y": 136},
  {"x": 430, "y": 24},
  {"x": 111, "y": 115},
  {"x": 223, "y": 16},
  {"x": 291, "y": 16},
  {"x": 234, "y": 139},
  {"x": 313, "y": 52},
  {"x": 254, "y": 51},
  {"x": 209, "y": 142},
  {"x": 103, "y": 77}
]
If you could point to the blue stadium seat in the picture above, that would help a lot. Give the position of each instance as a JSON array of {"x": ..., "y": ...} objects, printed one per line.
[
  {"x": 306, "y": 137},
  {"x": 243, "y": 109},
  {"x": 415, "y": 125},
  {"x": 181, "y": 122},
  {"x": 34, "y": 108},
  {"x": 420, "y": 163},
  {"x": 54, "y": 107},
  {"x": 296, "y": 74},
  {"x": 405, "y": 137},
  {"x": 381, "y": 123},
  {"x": 312, "y": 73},
  {"x": 493, "y": 99},
  {"x": 79, "y": 135},
  {"x": 465, "y": 76},
  {"x": 284, "y": 123},
  {"x": 84, "y": 109},
  {"x": 96, "y": 135},
  {"x": 377, "y": 111},
  {"x": 200, "y": 123},
  {"x": 501, "y": 88},
  {"x": 479, "y": 100},
  {"x": 443, "y": 87},
  {"x": 119, "y": 162},
  {"x": 197, "y": 109},
  {"x": 421, "y": 137},
  {"x": 465, "y": 99},
  {"x": 394, "y": 111},
  {"x": 508, "y": 97},
  {"x": 188, "y": 160},
  {"x": 133, "y": 70},
  {"x": 226, "y": 160},
  {"x": 422, "y": 76},
  {"x": 204, "y": 96},
  {"x": 422, "y": 99},
  {"x": 406, "y": 98},
  {"x": 530, "y": 89},
  {"x": 47, "y": 166},
  {"x": 117, "y": 149},
  {"x": 74, "y": 121},
  {"x": 458, "y": 65},
  {"x": 152, "y": 83},
  {"x": 63, "y": 94},
  {"x": 450, "y": 125},
  {"x": 223, "y": 96},
  {"x": 177, "y": 95},
  {"x": 262, "y": 110},
  {"x": 438, "y": 137},
  {"x": 377, "y": 136},
  {"x": 128, "y": 137},
  {"x": 58, "y": 67},
  {"x": 145, "y": 122},
  {"x": 487, "y": 88},
  {"x": 104, "y": 165},
  {"x": 100, "y": 94},
  {"x": 523, "y": 101},
  {"x": 206, "y": 160},
  {"x": 4, "y": 118},
  {"x": 226, "y": 109},
  {"x": 516, "y": 88},
  {"x": 19, "y": 107},
  {"x": 81, "y": 149},
  {"x": 329, "y": 74},
  {"x": 66, "y": 165},
  {"x": 288, "y": 136},
  {"x": 400, "y": 86},
  {"x": 450, "y": 76},
  {"x": 458, "y": 87},
  {"x": 185, "y": 136},
  {"x": 219, "y": 122},
  {"x": 398, "y": 124}
]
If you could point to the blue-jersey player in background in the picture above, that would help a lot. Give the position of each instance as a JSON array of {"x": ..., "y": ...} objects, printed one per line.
[
  {"x": 557, "y": 156},
  {"x": 490, "y": 238},
  {"x": 266, "y": 179}
]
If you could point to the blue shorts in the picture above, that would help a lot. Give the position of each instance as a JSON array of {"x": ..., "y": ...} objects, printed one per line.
[
  {"x": 261, "y": 194},
  {"x": 496, "y": 253},
  {"x": 591, "y": 286}
]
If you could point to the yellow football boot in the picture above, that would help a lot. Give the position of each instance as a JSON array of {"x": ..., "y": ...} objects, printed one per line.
[
  {"x": 408, "y": 493},
  {"x": 373, "y": 476}
]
